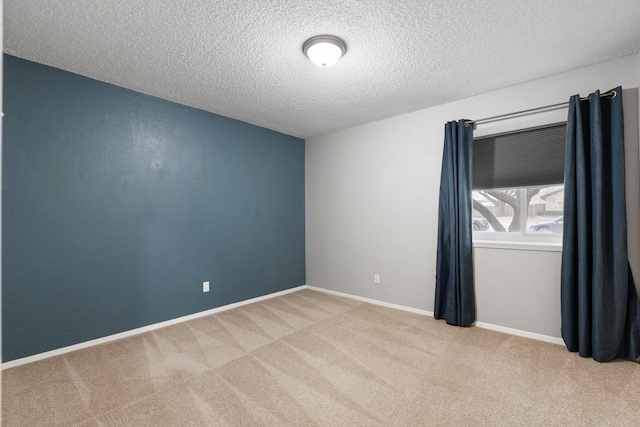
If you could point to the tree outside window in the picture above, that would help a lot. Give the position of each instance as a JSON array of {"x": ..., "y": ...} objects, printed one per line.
[{"x": 521, "y": 210}]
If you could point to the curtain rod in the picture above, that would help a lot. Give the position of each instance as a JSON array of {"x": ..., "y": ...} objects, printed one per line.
[{"x": 544, "y": 109}]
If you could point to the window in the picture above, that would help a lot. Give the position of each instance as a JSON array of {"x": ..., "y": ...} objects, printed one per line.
[{"x": 518, "y": 188}]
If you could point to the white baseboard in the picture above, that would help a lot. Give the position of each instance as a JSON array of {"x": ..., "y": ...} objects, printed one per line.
[
  {"x": 372, "y": 301},
  {"x": 510, "y": 331},
  {"x": 86, "y": 344},
  {"x": 520, "y": 333}
]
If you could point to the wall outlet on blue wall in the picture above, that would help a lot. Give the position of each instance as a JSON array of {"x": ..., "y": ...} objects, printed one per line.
[{"x": 121, "y": 186}]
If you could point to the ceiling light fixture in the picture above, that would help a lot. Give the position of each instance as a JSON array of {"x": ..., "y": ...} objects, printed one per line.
[{"x": 324, "y": 51}]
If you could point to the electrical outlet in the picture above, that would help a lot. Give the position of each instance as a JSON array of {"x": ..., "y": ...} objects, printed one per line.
[
  {"x": 376, "y": 279},
  {"x": 205, "y": 286}
]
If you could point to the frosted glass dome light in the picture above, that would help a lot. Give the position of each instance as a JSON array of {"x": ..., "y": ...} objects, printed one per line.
[{"x": 324, "y": 51}]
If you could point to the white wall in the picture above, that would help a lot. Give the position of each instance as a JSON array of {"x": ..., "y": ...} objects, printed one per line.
[
  {"x": 633, "y": 192},
  {"x": 1, "y": 98},
  {"x": 372, "y": 207},
  {"x": 632, "y": 169}
]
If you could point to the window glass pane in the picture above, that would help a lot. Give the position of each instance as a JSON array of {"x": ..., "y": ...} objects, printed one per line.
[
  {"x": 498, "y": 208},
  {"x": 519, "y": 210},
  {"x": 546, "y": 210}
]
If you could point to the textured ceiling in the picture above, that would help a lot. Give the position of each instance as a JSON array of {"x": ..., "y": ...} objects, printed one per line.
[{"x": 243, "y": 58}]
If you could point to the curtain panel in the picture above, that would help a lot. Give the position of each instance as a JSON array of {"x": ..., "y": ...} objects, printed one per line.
[
  {"x": 455, "y": 295},
  {"x": 600, "y": 307}
]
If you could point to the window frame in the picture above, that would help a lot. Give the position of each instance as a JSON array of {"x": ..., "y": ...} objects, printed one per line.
[{"x": 523, "y": 239}]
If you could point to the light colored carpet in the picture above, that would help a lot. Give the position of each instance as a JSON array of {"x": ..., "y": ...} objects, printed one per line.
[{"x": 313, "y": 359}]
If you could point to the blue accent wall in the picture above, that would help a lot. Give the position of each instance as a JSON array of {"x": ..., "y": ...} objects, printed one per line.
[{"x": 118, "y": 205}]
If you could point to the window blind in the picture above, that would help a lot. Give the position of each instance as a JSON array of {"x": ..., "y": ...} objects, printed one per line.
[{"x": 524, "y": 158}]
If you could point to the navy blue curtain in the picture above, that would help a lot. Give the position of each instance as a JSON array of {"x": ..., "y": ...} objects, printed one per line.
[
  {"x": 455, "y": 296},
  {"x": 600, "y": 307}
]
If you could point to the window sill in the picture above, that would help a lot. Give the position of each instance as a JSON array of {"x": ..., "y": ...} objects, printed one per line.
[{"x": 518, "y": 246}]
